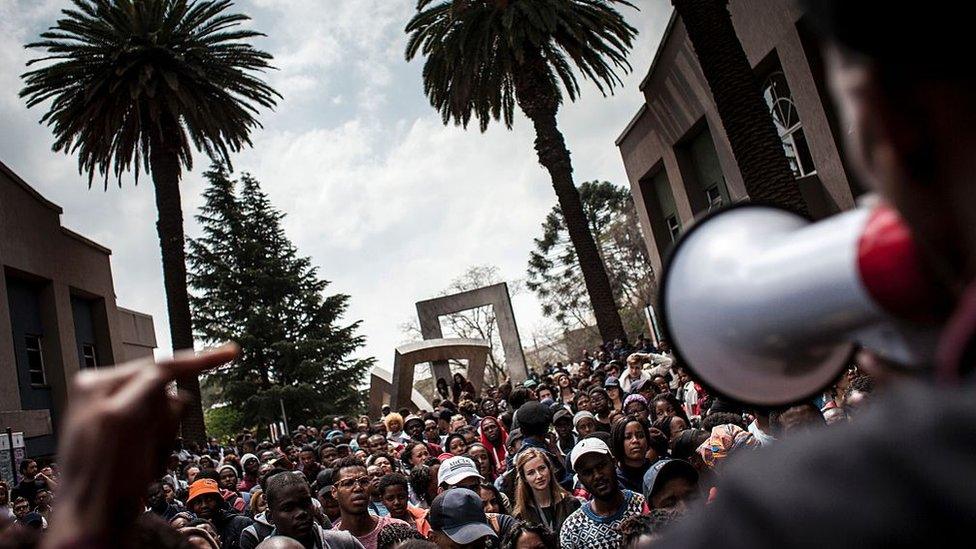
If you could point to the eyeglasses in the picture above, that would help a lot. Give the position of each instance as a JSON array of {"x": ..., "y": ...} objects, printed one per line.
[{"x": 363, "y": 482}]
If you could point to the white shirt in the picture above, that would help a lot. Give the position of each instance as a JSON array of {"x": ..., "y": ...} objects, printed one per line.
[{"x": 627, "y": 380}]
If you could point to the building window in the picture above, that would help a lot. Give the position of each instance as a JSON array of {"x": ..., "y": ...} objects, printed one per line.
[
  {"x": 88, "y": 355},
  {"x": 776, "y": 91},
  {"x": 674, "y": 227},
  {"x": 35, "y": 359},
  {"x": 714, "y": 196}
]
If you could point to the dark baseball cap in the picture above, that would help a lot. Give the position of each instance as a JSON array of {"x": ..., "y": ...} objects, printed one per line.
[
  {"x": 459, "y": 514},
  {"x": 664, "y": 470},
  {"x": 639, "y": 384},
  {"x": 562, "y": 413},
  {"x": 533, "y": 414}
]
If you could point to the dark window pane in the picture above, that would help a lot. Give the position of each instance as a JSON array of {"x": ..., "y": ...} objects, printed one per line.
[
  {"x": 88, "y": 351},
  {"x": 803, "y": 152},
  {"x": 35, "y": 360}
]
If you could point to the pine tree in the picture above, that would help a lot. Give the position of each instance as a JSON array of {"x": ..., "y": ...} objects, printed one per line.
[
  {"x": 553, "y": 270},
  {"x": 251, "y": 285}
]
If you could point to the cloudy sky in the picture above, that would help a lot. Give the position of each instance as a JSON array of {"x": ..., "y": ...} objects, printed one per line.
[{"x": 390, "y": 204}]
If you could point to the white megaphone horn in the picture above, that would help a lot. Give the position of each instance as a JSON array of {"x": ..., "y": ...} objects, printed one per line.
[{"x": 767, "y": 308}]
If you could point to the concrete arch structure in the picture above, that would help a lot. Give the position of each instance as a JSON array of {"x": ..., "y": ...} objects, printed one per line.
[
  {"x": 381, "y": 392},
  {"x": 496, "y": 295},
  {"x": 405, "y": 359}
]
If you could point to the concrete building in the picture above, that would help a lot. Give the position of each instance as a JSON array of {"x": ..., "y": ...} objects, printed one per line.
[
  {"x": 675, "y": 151},
  {"x": 57, "y": 313}
]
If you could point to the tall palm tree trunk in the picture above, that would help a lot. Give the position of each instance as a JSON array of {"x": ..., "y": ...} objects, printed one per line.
[
  {"x": 165, "y": 165},
  {"x": 745, "y": 116},
  {"x": 536, "y": 97}
]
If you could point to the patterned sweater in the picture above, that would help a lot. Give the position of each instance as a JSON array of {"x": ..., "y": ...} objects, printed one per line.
[{"x": 584, "y": 529}]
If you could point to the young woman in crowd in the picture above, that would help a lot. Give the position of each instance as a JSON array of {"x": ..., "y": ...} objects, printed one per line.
[
  {"x": 456, "y": 444},
  {"x": 483, "y": 459},
  {"x": 169, "y": 492},
  {"x": 636, "y": 405},
  {"x": 629, "y": 442},
  {"x": 394, "y": 429},
  {"x": 461, "y": 386},
  {"x": 414, "y": 454},
  {"x": 581, "y": 402},
  {"x": 538, "y": 496},
  {"x": 663, "y": 383},
  {"x": 567, "y": 395},
  {"x": 614, "y": 393},
  {"x": 423, "y": 485},
  {"x": 671, "y": 417},
  {"x": 529, "y": 536},
  {"x": 442, "y": 389},
  {"x": 493, "y": 500}
]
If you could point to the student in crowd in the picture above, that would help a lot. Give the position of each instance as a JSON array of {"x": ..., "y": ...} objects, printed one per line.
[
  {"x": 291, "y": 512},
  {"x": 630, "y": 443},
  {"x": 538, "y": 496},
  {"x": 351, "y": 488},
  {"x": 206, "y": 502},
  {"x": 614, "y": 393},
  {"x": 376, "y": 506},
  {"x": 493, "y": 501},
  {"x": 456, "y": 444},
  {"x": 671, "y": 484},
  {"x": 493, "y": 438},
  {"x": 635, "y": 372},
  {"x": 394, "y": 493},
  {"x": 482, "y": 458},
  {"x": 32, "y": 481},
  {"x": 414, "y": 454},
  {"x": 457, "y": 520},
  {"x": 595, "y": 525},
  {"x": 528, "y": 535},
  {"x": 562, "y": 422}
]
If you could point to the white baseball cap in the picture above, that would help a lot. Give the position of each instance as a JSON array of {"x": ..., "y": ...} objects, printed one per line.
[
  {"x": 456, "y": 469},
  {"x": 591, "y": 445}
]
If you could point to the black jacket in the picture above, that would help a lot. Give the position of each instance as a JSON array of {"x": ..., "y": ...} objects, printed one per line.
[
  {"x": 230, "y": 525},
  {"x": 562, "y": 510}
]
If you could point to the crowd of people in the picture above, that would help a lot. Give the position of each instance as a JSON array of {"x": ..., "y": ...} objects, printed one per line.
[{"x": 605, "y": 451}]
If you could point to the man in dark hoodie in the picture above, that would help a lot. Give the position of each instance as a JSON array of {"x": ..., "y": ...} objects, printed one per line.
[{"x": 206, "y": 503}]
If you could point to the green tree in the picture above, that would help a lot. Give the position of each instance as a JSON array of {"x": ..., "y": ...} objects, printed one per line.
[
  {"x": 223, "y": 422},
  {"x": 251, "y": 286},
  {"x": 553, "y": 270},
  {"x": 486, "y": 56},
  {"x": 752, "y": 134},
  {"x": 136, "y": 85}
]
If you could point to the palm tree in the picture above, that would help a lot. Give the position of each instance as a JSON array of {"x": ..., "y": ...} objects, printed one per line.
[
  {"x": 136, "y": 85},
  {"x": 486, "y": 56},
  {"x": 752, "y": 135}
]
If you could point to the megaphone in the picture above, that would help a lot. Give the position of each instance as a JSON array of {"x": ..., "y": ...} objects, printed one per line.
[{"x": 767, "y": 307}]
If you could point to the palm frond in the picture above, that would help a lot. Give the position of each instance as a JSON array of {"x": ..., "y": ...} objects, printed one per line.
[
  {"x": 477, "y": 50},
  {"x": 124, "y": 76}
]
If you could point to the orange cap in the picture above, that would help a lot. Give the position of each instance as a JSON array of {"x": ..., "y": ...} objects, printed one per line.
[{"x": 201, "y": 487}]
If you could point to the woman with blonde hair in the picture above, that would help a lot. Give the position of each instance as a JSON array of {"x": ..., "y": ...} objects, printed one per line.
[
  {"x": 394, "y": 429},
  {"x": 538, "y": 496}
]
